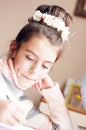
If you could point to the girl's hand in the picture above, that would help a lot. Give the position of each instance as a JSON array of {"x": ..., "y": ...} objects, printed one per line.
[
  {"x": 47, "y": 82},
  {"x": 11, "y": 113},
  {"x": 43, "y": 84}
]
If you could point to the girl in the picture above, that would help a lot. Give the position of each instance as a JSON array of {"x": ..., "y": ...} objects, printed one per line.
[{"x": 36, "y": 48}]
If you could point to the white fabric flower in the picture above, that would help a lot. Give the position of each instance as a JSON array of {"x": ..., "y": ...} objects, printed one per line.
[
  {"x": 37, "y": 15},
  {"x": 54, "y": 22},
  {"x": 65, "y": 34}
]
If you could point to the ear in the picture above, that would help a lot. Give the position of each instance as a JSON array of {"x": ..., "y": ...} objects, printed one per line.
[{"x": 12, "y": 49}]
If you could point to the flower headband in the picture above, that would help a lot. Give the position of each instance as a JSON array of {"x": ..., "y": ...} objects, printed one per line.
[{"x": 55, "y": 22}]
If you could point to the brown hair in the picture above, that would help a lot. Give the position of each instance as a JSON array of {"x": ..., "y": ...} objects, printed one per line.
[{"x": 41, "y": 29}]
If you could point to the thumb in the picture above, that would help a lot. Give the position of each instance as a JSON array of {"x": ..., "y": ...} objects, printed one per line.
[{"x": 47, "y": 82}]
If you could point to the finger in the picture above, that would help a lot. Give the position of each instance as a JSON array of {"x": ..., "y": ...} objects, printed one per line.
[
  {"x": 36, "y": 86},
  {"x": 12, "y": 121},
  {"x": 8, "y": 119},
  {"x": 39, "y": 86},
  {"x": 47, "y": 82},
  {"x": 17, "y": 112},
  {"x": 18, "y": 118}
]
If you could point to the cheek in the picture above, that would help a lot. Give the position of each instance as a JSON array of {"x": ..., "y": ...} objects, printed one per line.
[
  {"x": 22, "y": 66},
  {"x": 43, "y": 74}
]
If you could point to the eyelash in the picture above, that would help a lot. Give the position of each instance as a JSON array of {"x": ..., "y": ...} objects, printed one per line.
[
  {"x": 30, "y": 58},
  {"x": 45, "y": 67}
]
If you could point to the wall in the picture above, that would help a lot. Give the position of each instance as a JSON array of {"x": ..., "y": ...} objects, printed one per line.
[{"x": 14, "y": 14}]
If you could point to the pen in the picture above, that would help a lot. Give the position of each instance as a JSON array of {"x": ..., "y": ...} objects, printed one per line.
[
  {"x": 7, "y": 97},
  {"x": 82, "y": 127}
]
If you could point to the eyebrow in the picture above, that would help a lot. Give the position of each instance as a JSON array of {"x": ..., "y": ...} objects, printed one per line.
[{"x": 37, "y": 55}]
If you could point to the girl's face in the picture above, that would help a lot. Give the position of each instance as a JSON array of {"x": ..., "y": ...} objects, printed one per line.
[{"x": 33, "y": 61}]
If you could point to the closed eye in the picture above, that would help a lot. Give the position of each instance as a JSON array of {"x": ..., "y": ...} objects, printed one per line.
[
  {"x": 46, "y": 67},
  {"x": 30, "y": 58}
]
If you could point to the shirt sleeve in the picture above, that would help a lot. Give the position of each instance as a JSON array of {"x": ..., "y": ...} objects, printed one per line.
[{"x": 57, "y": 109}]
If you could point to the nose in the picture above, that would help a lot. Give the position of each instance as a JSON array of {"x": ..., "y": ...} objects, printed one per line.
[{"x": 35, "y": 68}]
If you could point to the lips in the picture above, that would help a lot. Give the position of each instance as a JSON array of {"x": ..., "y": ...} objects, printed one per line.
[{"x": 28, "y": 78}]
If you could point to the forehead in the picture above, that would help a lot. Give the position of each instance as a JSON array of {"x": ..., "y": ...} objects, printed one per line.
[{"x": 41, "y": 47}]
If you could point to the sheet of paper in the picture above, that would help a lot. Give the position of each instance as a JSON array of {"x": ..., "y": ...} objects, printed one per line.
[{"x": 36, "y": 121}]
